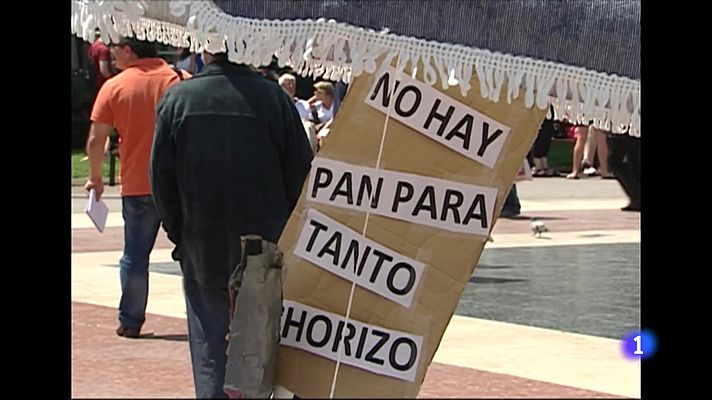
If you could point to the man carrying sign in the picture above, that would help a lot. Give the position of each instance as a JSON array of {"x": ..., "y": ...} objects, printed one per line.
[{"x": 229, "y": 159}]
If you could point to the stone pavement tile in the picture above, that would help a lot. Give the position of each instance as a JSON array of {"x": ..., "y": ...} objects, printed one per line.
[
  {"x": 89, "y": 240},
  {"x": 563, "y": 238},
  {"x": 570, "y": 220},
  {"x": 449, "y": 381},
  {"x": 554, "y": 204},
  {"x": 588, "y": 189},
  {"x": 86, "y": 240},
  {"x": 589, "y": 289},
  {"x": 546, "y": 355},
  {"x": 95, "y": 280},
  {"x": 107, "y": 366}
]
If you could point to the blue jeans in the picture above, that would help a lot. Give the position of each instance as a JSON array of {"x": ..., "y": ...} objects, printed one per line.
[
  {"x": 208, "y": 310},
  {"x": 511, "y": 205},
  {"x": 141, "y": 224}
]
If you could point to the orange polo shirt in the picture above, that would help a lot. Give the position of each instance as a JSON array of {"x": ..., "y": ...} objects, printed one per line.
[{"x": 128, "y": 102}]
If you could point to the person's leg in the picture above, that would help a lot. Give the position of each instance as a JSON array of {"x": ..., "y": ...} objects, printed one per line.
[
  {"x": 589, "y": 151},
  {"x": 619, "y": 163},
  {"x": 310, "y": 130},
  {"x": 530, "y": 157},
  {"x": 538, "y": 167},
  {"x": 581, "y": 133},
  {"x": 546, "y": 145},
  {"x": 602, "y": 148},
  {"x": 535, "y": 152},
  {"x": 633, "y": 155},
  {"x": 208, "y": 312},
  {"x": 141, "y": 224},
  {"x": 511, "y": 207},
  {"x": 541, "y": 151}
]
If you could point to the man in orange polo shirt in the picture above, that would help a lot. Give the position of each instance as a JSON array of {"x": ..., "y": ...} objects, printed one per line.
[{"x": 128, "y": 103}]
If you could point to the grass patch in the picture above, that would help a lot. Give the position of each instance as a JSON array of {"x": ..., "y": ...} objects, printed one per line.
[{"x": 80, "y": 169}]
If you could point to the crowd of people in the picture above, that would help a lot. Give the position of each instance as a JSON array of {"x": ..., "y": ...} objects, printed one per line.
[{"x": 618, "y": 157}]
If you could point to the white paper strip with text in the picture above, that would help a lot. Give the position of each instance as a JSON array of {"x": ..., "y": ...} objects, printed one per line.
[
  {"x": 342, "y": 251},
  {"x": 438, "y": 116},
  {"x": 442, "y": 204},
  {"x": 370, "y": 347}
]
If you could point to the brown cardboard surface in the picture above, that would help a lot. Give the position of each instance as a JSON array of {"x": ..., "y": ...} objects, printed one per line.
[{"x": 450, "y": 257}]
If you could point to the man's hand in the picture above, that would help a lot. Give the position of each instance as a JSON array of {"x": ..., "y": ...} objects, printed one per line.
[{"x": 98, "y": 186}]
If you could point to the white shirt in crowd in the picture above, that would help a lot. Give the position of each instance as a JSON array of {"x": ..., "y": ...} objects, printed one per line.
[
  {"x": 302, "y": 108},
  {"x": 324, "y": 114},
  {"x": 184, "y": 64}
]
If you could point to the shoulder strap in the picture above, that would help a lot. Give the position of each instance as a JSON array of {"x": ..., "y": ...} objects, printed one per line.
[{"x": 179, "y": 72}]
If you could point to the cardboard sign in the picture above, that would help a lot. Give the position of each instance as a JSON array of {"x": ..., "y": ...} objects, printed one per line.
[{"x": 418, "y": 174}]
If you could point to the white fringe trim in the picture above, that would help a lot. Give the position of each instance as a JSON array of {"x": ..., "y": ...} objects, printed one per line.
[{"x": 326, "y": 48}]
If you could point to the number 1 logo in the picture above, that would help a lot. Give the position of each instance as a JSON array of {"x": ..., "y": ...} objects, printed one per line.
[{"x": 639, "y": 345}]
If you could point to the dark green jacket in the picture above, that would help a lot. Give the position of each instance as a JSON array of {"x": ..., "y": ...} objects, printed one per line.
[{"x": 229, "y": 158}]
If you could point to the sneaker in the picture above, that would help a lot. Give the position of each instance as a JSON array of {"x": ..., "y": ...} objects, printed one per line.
[
  {"x": 128, "y": 332},
  {"x": 590, "y": 171}
]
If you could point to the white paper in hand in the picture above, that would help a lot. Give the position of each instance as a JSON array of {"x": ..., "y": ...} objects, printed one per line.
[{"x": 97, "y": 211}]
